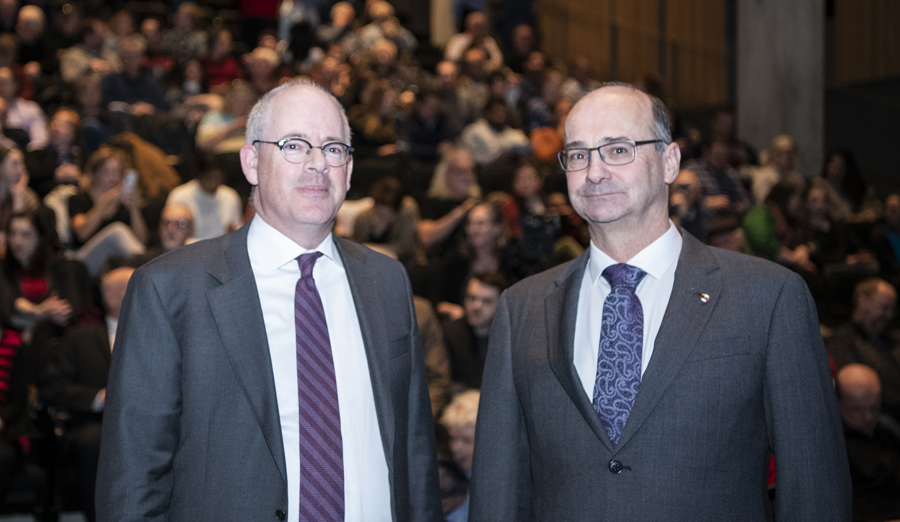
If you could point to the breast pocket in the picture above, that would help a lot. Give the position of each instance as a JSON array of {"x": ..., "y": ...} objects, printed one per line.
[{"x": 719, "y": 347}]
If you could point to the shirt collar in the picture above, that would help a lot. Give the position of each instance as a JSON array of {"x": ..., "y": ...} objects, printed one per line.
[
  {"x": 655, "y": 259},
  {"x": 271, "y": 250}
]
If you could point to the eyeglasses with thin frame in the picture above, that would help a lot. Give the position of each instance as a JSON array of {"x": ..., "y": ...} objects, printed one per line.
[
  {"x": 297, "y": 150},
  {"x": 613, "y": 154},
  {"x": 180, "y": 223}
]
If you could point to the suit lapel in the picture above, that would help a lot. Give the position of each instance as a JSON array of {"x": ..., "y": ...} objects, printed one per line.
[
  {"x": 686, "y": 315},
  {"x": 238, "y": 315},
  {"x": 561, "y": 309},
  {"x": 373, "y": 322}
]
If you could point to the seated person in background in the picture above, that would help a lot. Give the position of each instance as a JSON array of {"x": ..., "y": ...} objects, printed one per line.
[
  {"x": 106, "y": 216},
  {"x": 134, "y": 90},
  {"x": 491, "y": 137},
  {"x": 547, "y": 141},
  {"x": 686, "y": 207},
  {"x": 225, "y": 130},
  {"x": 866, "y": 339},
  {"x": 176, "y": 229},
  {"x": 467, "y": 337},
  {"x": 91, "y": 56},
  {"x": 453, "y": 192},
  {"x": 157, "y": 57},
  {"x": 522, "y": 46},
  {"x": 385, "y": 25},
  {"x": 425, "y": 133},
  {"x": 720, "y": 183},
  {"x": 390, "y": 225},
  {"x": 437, "y": 367},
  {"x": 97, "y": 120},
  {"x": 185, "y": 40},
  {"x": 22, "y": 114},
  {"x": 60, "y": 161},
  {"x": 374, "y": 121},
  {"x": 580, "y": 83},
  {"x": 34, "y": 51},
  {"x": 725, "y": 232},
  {"x": 835, "y": 242},
  {"x": 873, "y": 445},
  {"x": 220, "y": 66},
  {"x": 850, "y": 198},
  {"x": 885, "y": 239},
  {"x": 539, "y": 109},
  {"x": 484, "y": 249},
  {"x": 475, "y": 35},
  {"x": 776, "y": 229},
  {"x": 216, "y": 207},
  {"x": 74, "y": 381},
  {"x": 15, "y": 195},
  {"x": 780, "y": 166},
  {"x": 263, "y": 67},
  {"x": 341, "y": 30},
  {"x": 459, "y": 421}
]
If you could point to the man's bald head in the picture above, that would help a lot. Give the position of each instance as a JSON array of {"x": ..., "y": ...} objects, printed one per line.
[
  {"x": 113, "y": 288},
  {"x": 859, "y": 397}
]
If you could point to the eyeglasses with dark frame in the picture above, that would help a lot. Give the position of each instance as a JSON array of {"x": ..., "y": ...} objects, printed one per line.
[
  {"x": 296, "y": 150},
  {"x": 613, "y": 154}
]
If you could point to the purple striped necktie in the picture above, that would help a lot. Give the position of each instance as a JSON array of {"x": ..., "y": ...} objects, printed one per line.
[
  {"x": 621, "y": 349},
  {"x": 321, "y": 447}
]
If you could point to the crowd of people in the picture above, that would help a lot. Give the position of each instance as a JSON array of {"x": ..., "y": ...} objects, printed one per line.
[{"x": 120, "y": 142}]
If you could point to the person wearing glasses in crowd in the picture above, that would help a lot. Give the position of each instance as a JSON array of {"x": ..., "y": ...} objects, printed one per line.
[
  {"x": 653, "y": 377},
  {"x": 273, "y": 373}
]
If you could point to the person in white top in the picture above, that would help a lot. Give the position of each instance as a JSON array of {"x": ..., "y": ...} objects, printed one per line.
[
  {"x": 274, "y": 373},
  {"x": 475, "y": 35},
  {"x": 216, "y": 207}
]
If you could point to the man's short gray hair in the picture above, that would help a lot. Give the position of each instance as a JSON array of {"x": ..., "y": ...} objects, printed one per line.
[{"x": 256, "y": 126}]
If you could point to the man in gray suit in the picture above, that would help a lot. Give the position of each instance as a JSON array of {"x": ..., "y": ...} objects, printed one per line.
[
  {"x": 274, "y": 373},
  {"x": 653, "y": 377}
]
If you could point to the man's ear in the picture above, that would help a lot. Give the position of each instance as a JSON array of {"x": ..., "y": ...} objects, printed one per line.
[
  {"x": 349, "y": 171},
  {"x": 671, "y": 162},
  {"x": 249, "y": 161}
]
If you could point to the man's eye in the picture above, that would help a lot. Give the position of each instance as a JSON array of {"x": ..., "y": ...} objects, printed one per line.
[
  {"x": 619, "y": 150},
  {"x": 291, "y": 146}
]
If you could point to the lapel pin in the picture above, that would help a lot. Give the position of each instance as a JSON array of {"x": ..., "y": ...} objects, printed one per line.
[{"x": 704, "y": 298}]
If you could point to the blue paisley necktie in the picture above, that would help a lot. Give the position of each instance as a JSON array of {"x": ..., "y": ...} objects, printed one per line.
[{"x": 621, "y": 345}]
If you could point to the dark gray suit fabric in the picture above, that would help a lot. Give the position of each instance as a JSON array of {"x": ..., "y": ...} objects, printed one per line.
[
  {"x": 730, "y": 381},
  {"x": 191, "y": 429}
]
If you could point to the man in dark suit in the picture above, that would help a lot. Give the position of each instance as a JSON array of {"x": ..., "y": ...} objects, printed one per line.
[
  {"x": 467, "y": 337},
  {"x": 74, "y": 381},
  {"x": 653, "y": 377},
  {"x": 274, "y": 373}
]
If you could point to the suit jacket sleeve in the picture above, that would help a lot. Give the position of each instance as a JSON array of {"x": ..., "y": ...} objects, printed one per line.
[
  {"x": 501, "y": 487},
  {"x": 424, "y": 490},
  {"x": 143, "y": 408},
  {"x": 804, "y": 428}
]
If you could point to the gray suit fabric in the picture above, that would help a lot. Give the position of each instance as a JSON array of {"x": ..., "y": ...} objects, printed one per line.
[
  {"x": 191, "y": 429},
  {"x": 730, "y": 381}
]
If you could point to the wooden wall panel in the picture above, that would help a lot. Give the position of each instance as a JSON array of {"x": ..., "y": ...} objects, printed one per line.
[
  {"x": 693, "y": 67},
  {"x": 866, "y": 40}
]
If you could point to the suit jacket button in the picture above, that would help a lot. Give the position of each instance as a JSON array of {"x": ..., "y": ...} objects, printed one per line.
[
  {"x": 615, "y": 466},
  {"x": 279, "y": 514}
]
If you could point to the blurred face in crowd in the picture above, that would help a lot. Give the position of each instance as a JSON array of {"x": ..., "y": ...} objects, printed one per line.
[
  {"x": 90, "y": 94},
  {"x": 723, "y": 124},
  {"x": 476, "y": 25},
  {"x": 22, "y": 240},
  {"x": 718, "y": 155},
  {"x": 817, "y": 203},
  {"x": 622, "y": 195},
  {"x": 131, "y": 57},
  {"x": 122, "y": 24},
  {"x": 687, "y": 185},
  {"x": 535, "y": 64},
  {"x": 480, "y": 303},
  {"x": 176, "y": 225},
  {"x": 582, "y": 70},
  {"x": 107, "y": 175},
  {"x": 342, "y": 14},
  {"x": 62, "y": 129},
  {"x": 892, "y": 211},
  {"x": 385, "y": 53},
  {"x": 223, "y": 44},
  {"x": 448, "y": 75},
  {"x": 429, "y": 107},
  {"x": 13, "y": 167},
  {"x": 211, "y": 180},
  {"x": 113, "y": 288},
  {"x": 8, "y": 85},
  {"x": 784, "y": 160},
  {"x": 475, "y": 59},
  {"x": 860, "y": 398},
  {"x": 30, "y": 27},
  {"x": 184, "y": 18},
  {"x": 150, "y": 31},
  {"x": 733, "y": 240},
  {"x": 835, "y": 168},
  {"x": 523, "y": 39},
  {"x": 874, "y": 312},
  {"x": 561, "y": 110},
  {"x": 240, "y": 101},
  {"x": 527, "y": 183},
  {"x": 481, "y": 230},
  {"x": 299, "y": 200},
  {"x": 462, "y": 444},
  {"x": 460, "y": 174},
  {"x": 496, "y": 115}
]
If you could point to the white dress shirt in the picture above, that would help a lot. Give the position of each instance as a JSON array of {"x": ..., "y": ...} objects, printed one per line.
[
  {"x": 367, "y": 494},
  {"x": 659, "y": 261}
]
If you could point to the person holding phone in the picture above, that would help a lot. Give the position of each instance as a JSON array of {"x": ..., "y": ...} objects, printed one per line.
[{"x": 106, "y": 216}]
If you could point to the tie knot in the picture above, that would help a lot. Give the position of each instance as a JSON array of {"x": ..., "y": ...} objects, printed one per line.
[
  {"x": 623, "y": 275},
  {"x": 306, "y": 262}
]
